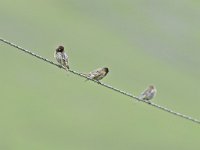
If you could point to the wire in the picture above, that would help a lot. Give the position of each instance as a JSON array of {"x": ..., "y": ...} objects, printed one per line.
[{"x": 103, "y": 84}]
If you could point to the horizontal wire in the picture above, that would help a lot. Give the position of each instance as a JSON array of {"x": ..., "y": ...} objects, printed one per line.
[{"x": 104, "y": 85}]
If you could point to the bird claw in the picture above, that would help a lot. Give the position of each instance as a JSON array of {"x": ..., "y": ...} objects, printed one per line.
[
  {"x": 148, "y": 102},
  {"x": 59, "y": 66},
  {"x": 98, "y": 82}
]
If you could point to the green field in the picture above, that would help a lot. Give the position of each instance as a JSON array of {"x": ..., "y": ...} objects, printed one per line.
[{"x": 142, "y": 42}]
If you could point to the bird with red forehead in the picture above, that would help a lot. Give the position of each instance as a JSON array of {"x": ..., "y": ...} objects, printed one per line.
[
  {"x": 61, "y": 57},
  {"x": 149, "y": 93}
]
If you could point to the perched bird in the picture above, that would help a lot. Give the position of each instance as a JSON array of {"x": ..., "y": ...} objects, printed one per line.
[
  {"x": 61, "y": 57},
  {"x": 97, "y": 74},
  {"x": 149, "y": 93}
]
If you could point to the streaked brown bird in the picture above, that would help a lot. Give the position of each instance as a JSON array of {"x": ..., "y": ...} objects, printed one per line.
[
  {"x": 61, "y": 57},
  {"x": 98, "y": 74},
  {"x": 149, "y": 93}
]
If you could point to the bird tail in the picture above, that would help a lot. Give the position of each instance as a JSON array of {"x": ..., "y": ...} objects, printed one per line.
[
  {"x": 67, "y": 66},
  {"x": 141, "y": 96}
]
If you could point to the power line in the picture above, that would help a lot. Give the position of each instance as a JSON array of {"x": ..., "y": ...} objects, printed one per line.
[{"x": 103, "y": 84}]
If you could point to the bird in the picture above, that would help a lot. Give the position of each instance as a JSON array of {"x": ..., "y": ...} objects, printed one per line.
[
  {"x": 61, "y": 57},
  {"x": 149, "y": 93},
  {"x": 97, "y": 74}
]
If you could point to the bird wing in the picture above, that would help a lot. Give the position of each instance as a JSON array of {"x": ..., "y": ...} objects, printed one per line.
[
  {"x": 144, "y": 94},
  {"x": 65, "y": 57}
]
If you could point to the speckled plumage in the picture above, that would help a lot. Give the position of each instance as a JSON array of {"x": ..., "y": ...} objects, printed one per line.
[
  {"x": 98, "y": 74},
  {"x": 149, "y": 93},
  {"x": 61, "y": 57}
]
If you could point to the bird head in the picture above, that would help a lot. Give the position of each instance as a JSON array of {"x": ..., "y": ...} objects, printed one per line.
[
  {"x": 151, "y": 87},
  {"x": 106, "y": 69},
  {"x": 60, "y": 49}
]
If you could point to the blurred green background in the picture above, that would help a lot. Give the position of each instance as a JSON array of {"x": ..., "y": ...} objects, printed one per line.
[{"x": 142, "y": 42}]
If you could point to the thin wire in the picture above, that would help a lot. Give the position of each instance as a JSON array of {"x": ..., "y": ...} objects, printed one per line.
[{"x": 103, "y": 84}]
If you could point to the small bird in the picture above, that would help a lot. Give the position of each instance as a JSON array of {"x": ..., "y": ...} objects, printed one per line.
[
  {"x": 149, "y": 93},
  {"x": 98, "y": 74},
  {"x": 61, "y": 57}
]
